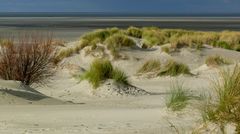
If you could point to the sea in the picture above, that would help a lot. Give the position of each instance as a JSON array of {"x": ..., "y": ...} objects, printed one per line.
[{"x": 71, "y": 25}]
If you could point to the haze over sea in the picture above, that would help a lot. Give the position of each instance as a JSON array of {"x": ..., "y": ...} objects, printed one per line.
[{"x": 72, "y": 25}]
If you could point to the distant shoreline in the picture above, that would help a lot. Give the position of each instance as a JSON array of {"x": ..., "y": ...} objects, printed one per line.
[
  {"x": 113, "y": 14},
  {"x": 190, "y": 23}
]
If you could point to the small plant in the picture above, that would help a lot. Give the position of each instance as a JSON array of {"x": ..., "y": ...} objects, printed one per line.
[
  {"x": 227, "y": 107},
  {"x": 101, "y": 70},
  {"x": 116, "y": 42},
  {"x": 179, "y": 97},
  {"x": 174, "y": 68},
  {"x": 134, "y": 32},
  {"x": 150, "y": 66},
  {"x": 119, "y": 40},
  {"x": 216, "y": 61},
  {"x": 120, "y": 77},
  {"x": 165, "y": 49},
  {"x": 221, "y": 44},
  {"x": 152, "y": 37}
]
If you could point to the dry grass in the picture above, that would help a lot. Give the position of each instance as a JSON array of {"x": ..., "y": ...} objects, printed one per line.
[
  {"x": 99, "y": 36},
  {"x": 116, "y": 42},
  {"x": 174, "y": 68},
  {"x": 29, "y": 60},
  {"x": 150, "y": 66},
  {"x": 152, "y": 37},
  {"x": 227, "y": 107},
  {"x": 216, "y": 61},
  {"x": 177, "y": 37}
]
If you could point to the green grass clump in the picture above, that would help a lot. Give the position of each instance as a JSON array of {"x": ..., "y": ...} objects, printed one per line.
[
  {"x": 101, "y": 70},
  {"x": 116, "y": 42},
  {"x": 222, "y": 44},
  {"x": 227, "y": 107},
  {"x": 150, "y": 66},
  {"x": 165, "y": 49},
  {"x": 174, "y": 68},
  {"x": 119, "y": 40},
  {"x": 134, "y": 32},
  {"x": 179, "y": 97},
  {"x": 216, "y": 61},
  {"x": 100, "y": 34},
  {"x": 120, "y": 77},
  {"x": 153, "y": 37}
]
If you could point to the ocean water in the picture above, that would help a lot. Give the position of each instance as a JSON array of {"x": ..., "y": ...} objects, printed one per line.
[{"x": 72, "y": 25}]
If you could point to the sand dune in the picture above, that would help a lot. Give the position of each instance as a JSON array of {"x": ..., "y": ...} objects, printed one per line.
[{"x": 68, "y": 105}]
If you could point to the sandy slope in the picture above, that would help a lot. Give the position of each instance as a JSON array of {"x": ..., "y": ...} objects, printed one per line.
[{"x": 78, "y": 110}]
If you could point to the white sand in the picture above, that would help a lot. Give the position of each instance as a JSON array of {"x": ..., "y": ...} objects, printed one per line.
[{"x": 72, "y": 107}]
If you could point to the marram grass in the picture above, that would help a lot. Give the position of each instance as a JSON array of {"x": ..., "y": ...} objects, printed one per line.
[{"x": 101, "y": 70}]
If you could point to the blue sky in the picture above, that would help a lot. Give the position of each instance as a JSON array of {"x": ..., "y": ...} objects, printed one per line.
[{"x": 132, "y": 6}]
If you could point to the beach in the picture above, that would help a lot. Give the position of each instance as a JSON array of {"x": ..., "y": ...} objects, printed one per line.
[{"x": 70, "y": 104}]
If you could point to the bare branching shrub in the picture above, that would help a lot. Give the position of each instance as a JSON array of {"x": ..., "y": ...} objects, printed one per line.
[{"x": 28, "y": 60}]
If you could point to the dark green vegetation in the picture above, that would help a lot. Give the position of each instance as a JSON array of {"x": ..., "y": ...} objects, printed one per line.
[{"x": 101, "y": 70}]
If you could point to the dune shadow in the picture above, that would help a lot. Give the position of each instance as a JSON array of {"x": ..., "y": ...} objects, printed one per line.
[
  {"x": 139, "y": 49},
  {"x": 32, "y": 96},
  {"x": 143, "y": 49},
  {"x": 157, "y": 93}
]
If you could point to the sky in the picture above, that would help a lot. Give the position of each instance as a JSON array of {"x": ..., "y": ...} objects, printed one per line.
[{"x": 122, "y": 6}]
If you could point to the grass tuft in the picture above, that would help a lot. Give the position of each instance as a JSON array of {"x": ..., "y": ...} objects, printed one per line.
[
  {"x": 165, "y": 49},
  {"x": 101, "y": 70},
  {"x": 174, "y": 68},
  {"x": 120, "y": 77},
  {"x": 119, "y": 40},
  {"x": 179, "y": 97},
  {"x": 150, "y": 66},
  {"x": 227, "y": 107},
  {"x": 216, "y": 61},
  {"x": 134, "y": 32}
]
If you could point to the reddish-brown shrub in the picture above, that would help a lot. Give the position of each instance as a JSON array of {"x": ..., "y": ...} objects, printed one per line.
[{"x": 28, "y": 60}]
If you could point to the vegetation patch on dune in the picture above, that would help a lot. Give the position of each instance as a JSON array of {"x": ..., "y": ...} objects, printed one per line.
[
  {"x": 227, "y": 107},
  {"x": 116, "y": 42},
  {"x": 150, "y": 66},
  {"x": 179, "y": 97},
  {"x": 216, "y": 61},
  {"x": 134, "y": 32},
  {"x": 114, "y": 39},
  {"x": 152, "y": 37},
  {"x": 174, "y": 68},
  {"x": 99, "y": 36},
  {"x": 101, "y": 70},
  {"x": 165, "y": 49}
]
